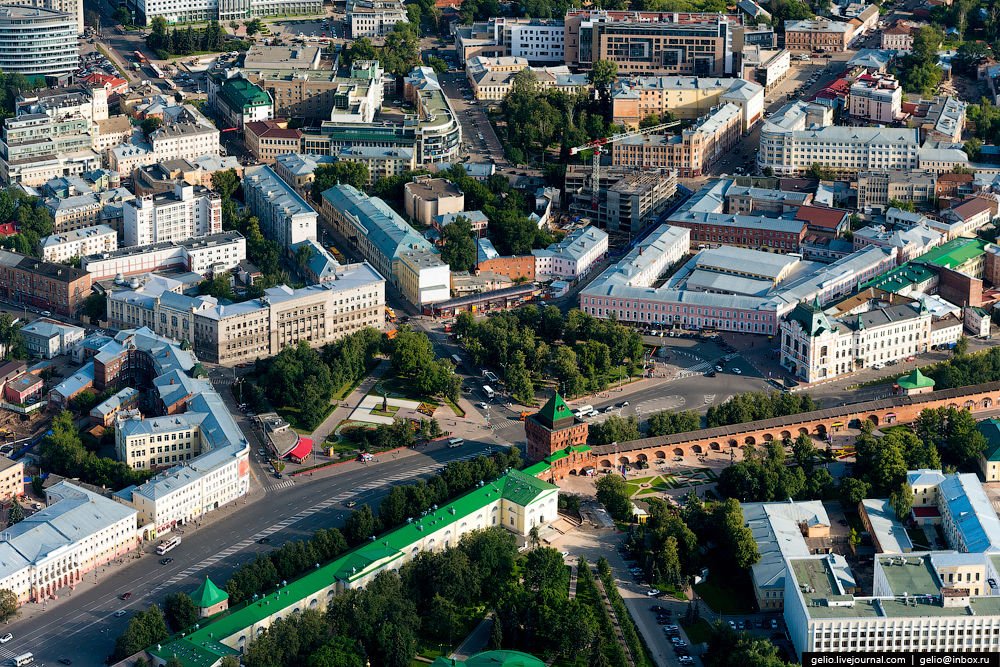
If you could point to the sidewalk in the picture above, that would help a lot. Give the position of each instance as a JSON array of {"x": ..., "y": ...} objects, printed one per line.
[{"x": 348, "y": 405}]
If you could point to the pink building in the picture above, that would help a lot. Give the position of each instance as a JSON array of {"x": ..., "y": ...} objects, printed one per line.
[
  {"x": 877, "y": 98},
  {"x": 22, "y": 388}
]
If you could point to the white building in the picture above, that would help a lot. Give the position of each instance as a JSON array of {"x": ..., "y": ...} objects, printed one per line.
[
  {"x": 374, "y": 18},
  {"x": 536, "y": 40},
  {"x": 801, "y": 134},
  {"x": 79, "y": 242},
  {"x": 190, "y": 211},
  {"x": 206, "y": 255},
  {"x": 423, "y": 276},
  {"x": 572, "y": 257},
  {"x": 284, "y": 216},
  {"x": 909, "y": 241},
  {"x": 37, "y": 41},
  {"x": 438, "y": 130},
  {"x": 76, "y": 533},
  {"x": 47, "y": 338},
  {"x": 187, "y": 134}
]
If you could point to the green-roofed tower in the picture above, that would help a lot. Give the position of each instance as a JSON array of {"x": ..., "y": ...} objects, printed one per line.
[
  {"x": 552, "y": 428},
  {"x": 915, "y": 383},
  {"x": 210, "y": 599}
]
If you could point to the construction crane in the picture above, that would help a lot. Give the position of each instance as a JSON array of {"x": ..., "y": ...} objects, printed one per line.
[{"x": 595, "y": 173}]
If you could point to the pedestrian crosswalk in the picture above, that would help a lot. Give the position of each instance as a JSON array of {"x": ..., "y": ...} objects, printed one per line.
[
  {"x": 280, "y": 485},
  {"x": 693, "y": 370},
  {"x": 504, "y": 423}
]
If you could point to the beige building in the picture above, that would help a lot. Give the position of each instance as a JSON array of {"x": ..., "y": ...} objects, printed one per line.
[
  {"x": 876, "y": 188},
  {"x": 267, "y": 139},
  {"x": 11, "y": 479},
  {"x": 687, "y": 97},
  {"x": 77, "y": 243},
  {"x": 877, "y": 98},
  {"x": 817, "y": 35},
  {"x": 423, "y": 276},
  {"x": 426, "y": 197},
  {"x": 381, "y": 162}
]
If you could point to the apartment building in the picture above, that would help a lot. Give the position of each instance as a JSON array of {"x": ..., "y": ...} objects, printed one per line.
[
  {"x": 208, "y": 255},
  {"x": 186, "y": 135},
  {"x": 573, "y": 257},
  {"x": 801, "y": 134},
  {"x": 240, "y": 102},
  {"x": 877, "y": 188},
  {"x": 29, "y": 281},
  {"x": 45, "y": 338},
  {"x": 77, "y": 532},
  {"x": 635, "y": 98},
  {"x": 374, "y": 18},
  {"x": 322, "y": 94},
  {"x": 425, "y": 198},
  {"x": 381, "y": 235},
  {"x": 690, "y": 44},
  {"x": 11, "y": 478},
  {"x": 267, "y": 139},
  {"x": 877, "y": 98},
  {"x": 189, "y": 211},
  {"x": 284, "y": 216},
  {"x": 537, "y": 40},
  {"x": 909, "y": 241},
  {"x": 77, "y": 243},
  {"x": 818, "y": 35}
]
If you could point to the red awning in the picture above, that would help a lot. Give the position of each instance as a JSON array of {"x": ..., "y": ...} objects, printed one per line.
[{"x": 301, "y": 450}]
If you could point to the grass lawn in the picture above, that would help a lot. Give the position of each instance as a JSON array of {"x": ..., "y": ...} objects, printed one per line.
[
  {"x": 454, "y": 408},
  {"x": 341, "y": 447},
  {"x": 919, "y": 539},
  {"x": 291, "y": 415},
  {"x": 854, "y": 521},
  {"x": 699, "y": 632},
  {"x": 727, "y": 590},
  {"x": 671, "y": 590}
]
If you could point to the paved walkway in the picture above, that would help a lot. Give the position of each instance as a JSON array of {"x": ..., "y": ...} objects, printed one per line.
[
  {"x": 614, "y": 620},
  {"x": 348, "y": 405},
  {"x": 476, "y": 641}
]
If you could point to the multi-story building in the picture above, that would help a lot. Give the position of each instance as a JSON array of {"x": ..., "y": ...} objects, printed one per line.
[
  {"x": 284, "y": 216},
  {"x": 909, "y": 241},
  {"x": 743, "y": 199},
  {"x": 971, "y": 213},
  {"x": 900, "y": 36},
  {"x": 381, "y": 235},
  {"x": 801, "y": 134},
  {"x": 37, "y": 41},
  {"x": 77, "y": 243},
  {"x": 29, "y": 281},
  {"x": 818, "y": 35},
  {"x": 186, "y": 135},
  {"x": 11, "y": 479},
  {"x": 438, "y": 131},
  {"x": 224, "y": 11},
  {"x": 321, "y": 94},
  {"x": 83, "y": 530},
  {"x": 944, "y": 120},
  {"x": 690, "y": 44},
  {"x": 487, "y": 84},
  {"x": 950, "y": 185},
  {"x": 381, "y": 162},
  {"x": 537, "y": 40},
  {"x": 374, "y": 18},
  {"x": 877, "y": 98},
  {"x": 267, "y": 139},
  {"x": 423, "y": 277},
  {"x": 36, "y": 147},
  {"x": 424, "y": 198},
  {"x": 686, "y": 97},
  {"x": 105, "y": 412},
  {"x": 942, "y": 156},
  {"x": 877, "y": 188},
  {"x": 207, "y": 255},
  {"x": 240, "y": 102},
  {"x": 768, "y": 67},
  {"x": 189, "y": 211},
  {"x": 165, "y": 176},
  {"x": 72, "y": 7},
  {"x": 636, "y": 201},
  {"x": 45, "y": 338},
  {"x": 261, "y": 56},
  {"x": 573, "y": 257}
]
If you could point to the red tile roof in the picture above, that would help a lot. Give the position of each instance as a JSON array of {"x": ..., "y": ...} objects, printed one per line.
[
  {"x": 270, "y": 129},
  {"x": 828, "y": 218}
]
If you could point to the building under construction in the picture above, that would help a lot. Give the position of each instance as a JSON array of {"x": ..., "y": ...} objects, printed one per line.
[{"x": 629, "y": 200}]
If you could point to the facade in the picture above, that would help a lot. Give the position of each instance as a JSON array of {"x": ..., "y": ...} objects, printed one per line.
[
  {"x": 909, "y": 242},
  {"x": 686, "y": 97},
  {"x": 47, "y": 338},
  {"x": 165, "y": 176},
  {"x": 207, "y": 255},
  {"x": 55, "y": 547},
  {"x": 266, "y": 140},
  {"x": 768, "y": 67},
  {"x": 552, "y": 429},
  {"x": 537, "y": 40},
  {"x": 77, "y": 243},
  {"x": 26, "y": 280},
  {"x": 190, "y": 211},
  {"x": 944, "y": 121},
  {"x": 876, "y": 98},
  {"x": 381, "y": 235},
  {"x": 321, "y": 94},
  {"x": 223, "y": 11},
  {"x": 299, "y": 170},
  {"x": 425, "y": 198},
  {"x": 374, "y": 18},
  {"x": 40, "y": 41},
  {"x": 381, "y": 162},
  {"x": 284, "y": 216},
  {"x": 423, "y": 277},
  {"x": 240, "y": 102},
  {"x": 899, "y": 37},
  {"x": 49, "y": 139},
  {"x": 573, "y": 257},
  {"x": 11, "y": 479},
  {"x": 801, "y": 134},
  {"x": 23, "y": 389},
  {"x": 818, "y": 35},
  {"x": 72, "y": 213},
  {"x": 972, "y": 213},
  {"x": 877, "y": 188},
  {"x": 105, "y": 413},
  {"x": 438, "y": 131},
  {"x": 477, "y": 219},
  {"x": 186, "y": 135}
]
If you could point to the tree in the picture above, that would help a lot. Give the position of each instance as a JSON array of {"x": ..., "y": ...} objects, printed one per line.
[
  {"x": 254, "y": 27},
  {"x": 96, "y": 306},
  {"x": 603, "y": 75},
  {"x": 226, "y": 182},
  {"x": 150, "y": 125},
  {"x": 16, "y": 514},
  {"x": 821, "y": 172},
  {"x": 852, "y": 491},
  {"x": 360, "y": 49},
  {"x": 901, "y": 501},
  {"x": 122, "y": 15},
  {"x": 736, "y": 537},
  {"x": 303, "y": 254},
  {"x": 174, "y": 661},
  {"x": 533, "y": 536},
  {"x": 768, "y": 172},
  {"x": 612, "y": 492},
  {"x": 360, "y": 526},
  {"x": 902, "y": 205},
  {"x": 496, "y": 636},
  {"x": 458, "y": 245},
  {"x": 803, "y": 452},
  {"x": 961, "y": 346},
  {"x": 180, "y": 611},
  {"x": 8, "y": 605},
  {"x": 326, "y": 176}
]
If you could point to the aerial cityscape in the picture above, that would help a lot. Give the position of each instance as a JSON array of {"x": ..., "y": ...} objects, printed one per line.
[{"x": 468, "y": 333}]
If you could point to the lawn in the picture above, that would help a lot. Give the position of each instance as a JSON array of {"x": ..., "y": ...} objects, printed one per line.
[
  {"x": 919, "y": 539},
  {"x": 291, "y": 415},
  {"x": 854, "y": 521},
  {"x": 672, "y": 591},
  {"x": 700, "y": 632},
  {"x": 727, "y": 589}
]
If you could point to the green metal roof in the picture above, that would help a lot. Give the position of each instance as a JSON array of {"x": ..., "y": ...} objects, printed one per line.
[
  {"x": 954, "y": 253},
  {"x": 208, "y": 594},
  {"x": 242, "y": 95},
  {"x": 492, "y": 659},
  {"x": 990, "y": 428},
  {"x": 900, "y": 278},
  {"x": 563, "y": 453},
  {"x": 203, "y": 647},
  {"x": 915, "y": 380},
  {"x": 536, "y": 469},
  {"x": 811, "y": 318},
  {"x": 554, "y": 410}
]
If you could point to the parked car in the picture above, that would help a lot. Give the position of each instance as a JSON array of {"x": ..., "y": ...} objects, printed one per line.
[
  {"x": 164, "y": 561},
  {"x": 774, "y": 624}
]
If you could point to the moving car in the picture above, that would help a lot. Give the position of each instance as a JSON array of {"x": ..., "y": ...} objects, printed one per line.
[
  {"x": 164, "y": 561},
  {"x": 125, "y": 596},
  {"x": 351, "y": 503},
  {"x": 6, "y": 638},
  {"x": 120, "y": 613},
  {"x": 738, "y": 371},
  {"x": 264, "y": 540}
]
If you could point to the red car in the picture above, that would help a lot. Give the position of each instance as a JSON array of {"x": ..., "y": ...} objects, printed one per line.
[
  {"x": 125, "y": 596},
  {"x": 911, "y": 358}
]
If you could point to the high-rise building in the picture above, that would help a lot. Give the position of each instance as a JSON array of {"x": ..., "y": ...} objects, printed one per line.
[
  {"x": 189, "y": 211},
  {"x": 38, "y": 41},
  {"x": 224, "y": 11}
]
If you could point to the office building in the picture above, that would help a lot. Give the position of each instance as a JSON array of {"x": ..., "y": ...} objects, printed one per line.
[
  {"x": 224, "y": 11},
  {"x": 438, "y": 131},
  {"x": 186, "y": 134},
  {"x": 284, "y": 216},
  {"x": 189, "y": 211},
  {"x": 767, "y": 67},
  {"x": 424, "y": 277},
  {"x": 818, "y": 35},
  {"x": 876, "y": 98},
  {"x": 45, "y": 338},
  {"x": 943, "y": 120},
  {"x": 83, "y": 208},
  {"x": 801, "y": 134},
  {"x": 381, "y": 162},
  {"x": 877, "y": 188},
  {"x": 39, "y": 41},
  {"x": 634, "y": 98},
  {"x": 374, "y": 18},
  {"x": 77, "y": 243},
  {"x": 425, "y": 198},
  {"x": 240, "y": 102},
  {"x": 283, "y": 57},
  {"x": 29, "y": 281},
  {"x": 77, "y": 532},
  {"x": 267, "y": 139},
  {"x": 208, "y": 255},
  {"x": 647, "y": 43},
  {"x": 573, "y": 257},
  {"x": 36, "y": 148},
  {"x": 167, "y": 175},
  {"x": 909, "y": 241},
  {"x": 536, "y": 40},
  {"x": 335, "y": 95}
]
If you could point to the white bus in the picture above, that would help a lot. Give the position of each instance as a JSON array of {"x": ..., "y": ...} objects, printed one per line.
[
  {"x": 455, "y": 442},
  {"x": 457, "y": 359},
  {"x": 167, "y": 545},
  {"x": 489, "y": 392},
  {"x": 583, "y": 411},
  {"x": 22, "y": 660}
]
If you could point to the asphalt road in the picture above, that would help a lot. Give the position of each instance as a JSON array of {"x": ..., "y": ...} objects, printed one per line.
[{"x": 83, "y": 625}]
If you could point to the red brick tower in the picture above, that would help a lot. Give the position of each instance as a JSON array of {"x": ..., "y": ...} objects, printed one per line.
[{"x": 553, "y": 428}]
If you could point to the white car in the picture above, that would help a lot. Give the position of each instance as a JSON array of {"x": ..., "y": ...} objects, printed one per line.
[
  {"x": 6, "y": 638},
  {"x": 484, "y": 406},
  {"x": 738, "y": 371},
  {"x": 651, "y": 592}
]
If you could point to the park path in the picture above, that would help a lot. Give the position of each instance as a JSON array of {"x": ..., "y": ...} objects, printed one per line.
[
  {"x": 347, "y": 406},
  {"x": 614, "y": 619}
]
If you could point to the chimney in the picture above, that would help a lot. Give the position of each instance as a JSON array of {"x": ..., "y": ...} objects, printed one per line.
[{"x": 171, "y": 380}]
